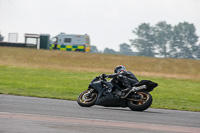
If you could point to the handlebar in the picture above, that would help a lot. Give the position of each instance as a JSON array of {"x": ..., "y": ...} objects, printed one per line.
[{"x": 102, "y": 77}]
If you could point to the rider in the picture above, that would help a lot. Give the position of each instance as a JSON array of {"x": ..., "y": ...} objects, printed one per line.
[{"x": 125, "y": 79}]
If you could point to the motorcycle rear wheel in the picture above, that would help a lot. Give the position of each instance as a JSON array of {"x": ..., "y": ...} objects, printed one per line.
[
  {"x": 142, "y": 104},
  {"x": 85, "y": 99}
]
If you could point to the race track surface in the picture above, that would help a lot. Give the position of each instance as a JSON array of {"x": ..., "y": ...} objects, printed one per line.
[{"x": 19, "y": 114}]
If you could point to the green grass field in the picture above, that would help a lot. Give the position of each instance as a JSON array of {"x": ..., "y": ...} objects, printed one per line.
[{"x": 45, "y": 76}]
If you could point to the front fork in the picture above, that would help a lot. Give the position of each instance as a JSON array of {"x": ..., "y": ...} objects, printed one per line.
[{"x": 89, "y": 93}]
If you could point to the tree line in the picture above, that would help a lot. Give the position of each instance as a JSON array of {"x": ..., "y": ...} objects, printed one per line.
[{"x": 162, "y": 40}]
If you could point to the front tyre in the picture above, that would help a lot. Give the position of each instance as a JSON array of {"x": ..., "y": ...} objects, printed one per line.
[
  {"x": 142, "y": 104},
  {"x": 87, "y": 98}
]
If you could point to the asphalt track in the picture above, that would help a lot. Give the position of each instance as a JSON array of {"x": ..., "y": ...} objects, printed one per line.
[{"x": 20, "y": 114}]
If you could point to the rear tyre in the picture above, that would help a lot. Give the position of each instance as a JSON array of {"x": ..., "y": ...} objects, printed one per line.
[
  {"x": 87, "y": 98},
  {"x": 143, "y": 104}
]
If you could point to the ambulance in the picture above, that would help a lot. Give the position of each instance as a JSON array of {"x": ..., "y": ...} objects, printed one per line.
[{"x": 70, "y": 42}]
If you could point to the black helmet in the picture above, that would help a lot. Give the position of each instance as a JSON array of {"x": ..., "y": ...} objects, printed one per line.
[{"x": 119, "y": 69}]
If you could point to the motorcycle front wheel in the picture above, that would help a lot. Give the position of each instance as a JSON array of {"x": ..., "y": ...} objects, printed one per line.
[
  {"x": 87, "y": 98},
  {"x": 141, "y": 104}
]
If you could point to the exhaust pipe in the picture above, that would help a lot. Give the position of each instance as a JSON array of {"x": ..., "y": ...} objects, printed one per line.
[
  {"x": 134, "y": 89},
  {"x": 140, "y": 88}
]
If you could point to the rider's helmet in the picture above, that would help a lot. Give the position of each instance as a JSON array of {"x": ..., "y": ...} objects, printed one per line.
[{"x": 119, "y": 69}]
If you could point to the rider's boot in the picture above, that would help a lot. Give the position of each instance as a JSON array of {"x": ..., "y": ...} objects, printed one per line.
[{"x": 125, "y": 91}]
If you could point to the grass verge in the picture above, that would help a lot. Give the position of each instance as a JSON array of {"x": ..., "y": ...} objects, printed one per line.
[{"x": 171, "y": 93}]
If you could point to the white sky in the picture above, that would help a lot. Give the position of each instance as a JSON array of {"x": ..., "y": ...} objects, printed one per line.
[{"x": 108, "y": 22}]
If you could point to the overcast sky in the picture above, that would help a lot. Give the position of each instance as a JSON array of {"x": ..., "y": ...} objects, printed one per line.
[{"x": 108, "y": 22}]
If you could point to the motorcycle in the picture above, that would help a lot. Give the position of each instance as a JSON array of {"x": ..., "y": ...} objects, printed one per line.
[{"x": 105, "y": 93}]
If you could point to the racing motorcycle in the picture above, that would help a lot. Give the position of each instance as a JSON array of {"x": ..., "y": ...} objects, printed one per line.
[{"x": 106, "y": 93}]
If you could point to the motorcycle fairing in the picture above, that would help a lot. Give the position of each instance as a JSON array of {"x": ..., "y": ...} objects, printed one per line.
[
  {"x": 109, "y": 100},
  {"x": 106, "y": 98}
]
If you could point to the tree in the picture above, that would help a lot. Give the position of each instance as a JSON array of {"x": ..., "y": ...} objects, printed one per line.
[
  {"x": 163, "y": 34},
  {"x": 94, "y": 49},
  {"x": 184, "y": 40},
  {"x": 196, "y": 52},
  {"x": 164, "y": 40},
  {"x": 125, "y": 49},
  {"x": 109, "y": 51},
  {"x": 145, "y": 42},
  {"x": 1, "y": 37}
]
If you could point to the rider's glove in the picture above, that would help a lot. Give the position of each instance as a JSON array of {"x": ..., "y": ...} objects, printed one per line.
[{"x": 103, "y": 76}]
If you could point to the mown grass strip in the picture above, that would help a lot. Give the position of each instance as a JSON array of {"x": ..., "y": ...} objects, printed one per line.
[{"x": 170, "y": 94}]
